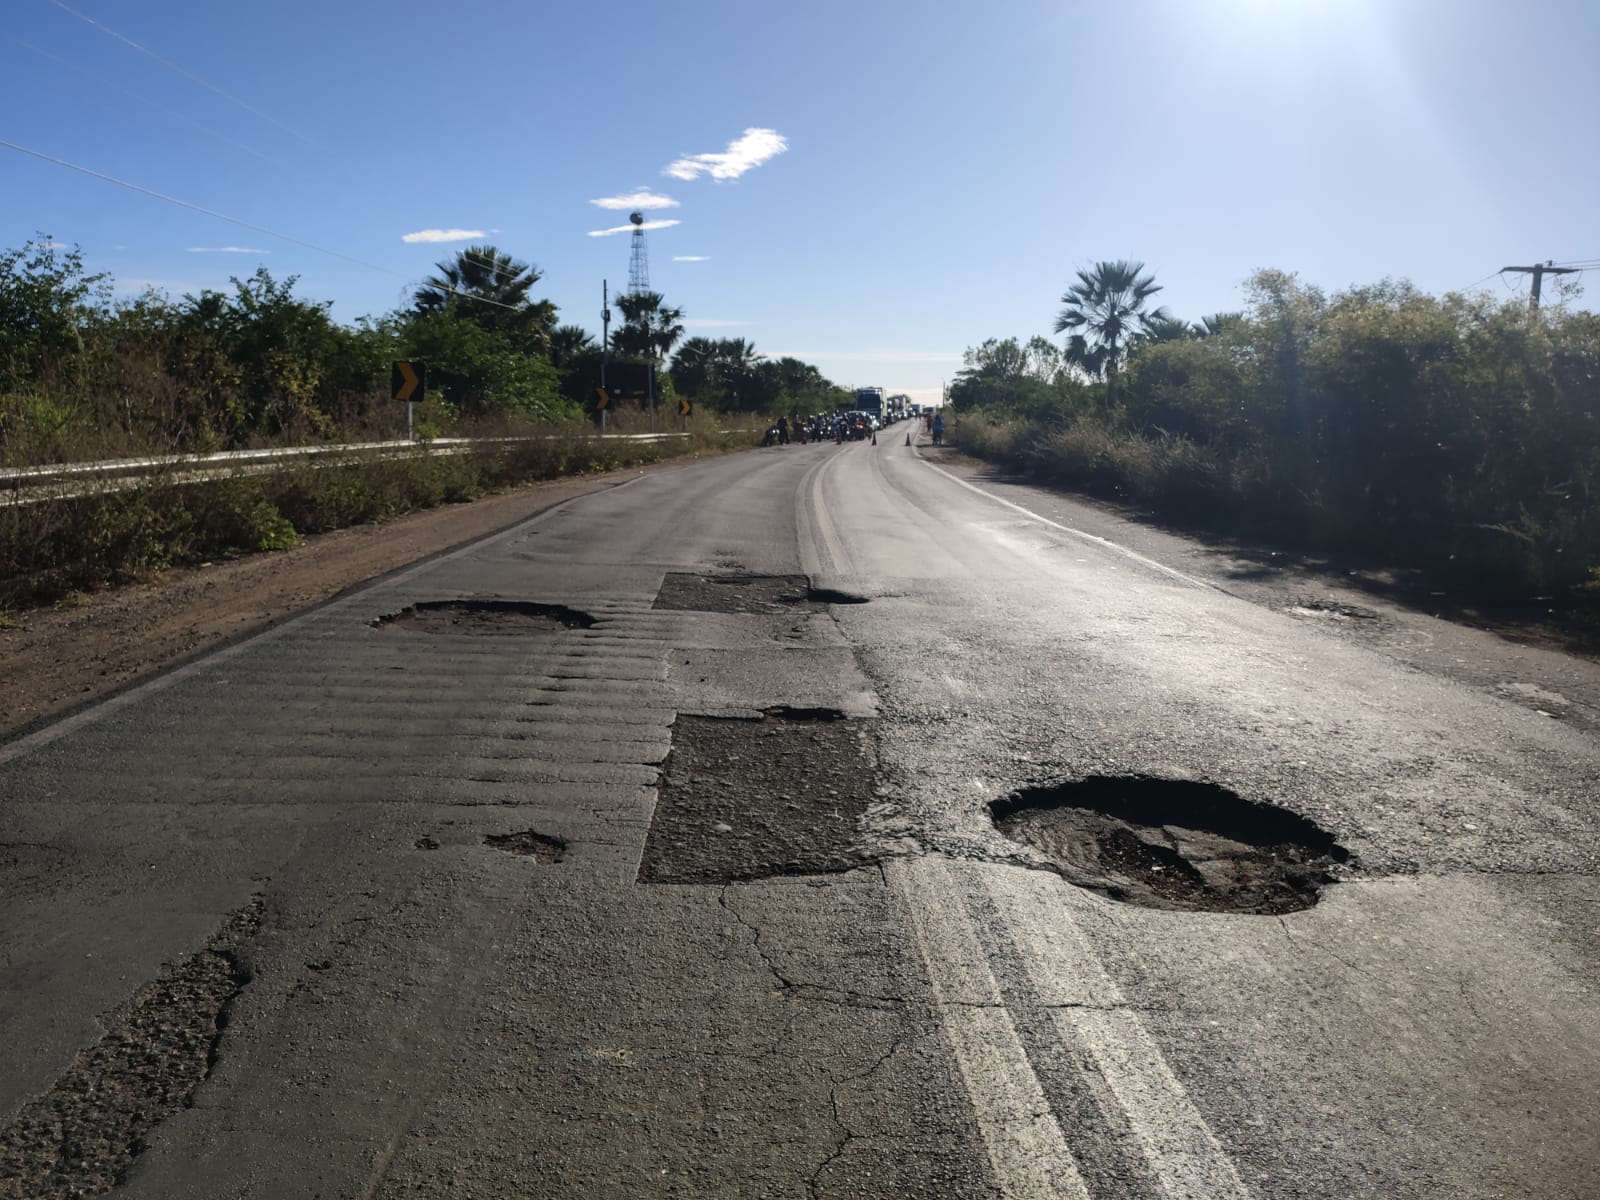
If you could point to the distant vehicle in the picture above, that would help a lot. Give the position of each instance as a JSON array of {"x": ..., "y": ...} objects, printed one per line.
[{"x": 869, "y": 400}]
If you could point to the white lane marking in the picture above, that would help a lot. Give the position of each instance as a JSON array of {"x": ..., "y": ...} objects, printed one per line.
[
  {"x": 1024, "y": 1142},
  {"x": 1095, "y": 539},
  {"x": 1182, "y": 1152}
]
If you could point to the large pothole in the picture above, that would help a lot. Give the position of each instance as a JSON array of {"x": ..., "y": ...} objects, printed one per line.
[
  {"x": 484, "y": 617},
  {"x": 757, "y": 595},
  {"x": 1174, "y": 844}
]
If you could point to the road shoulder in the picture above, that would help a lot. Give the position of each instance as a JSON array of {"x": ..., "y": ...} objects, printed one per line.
[
  {"x": 58, "y": 658},
  {"x": 1524, "y": 666}
]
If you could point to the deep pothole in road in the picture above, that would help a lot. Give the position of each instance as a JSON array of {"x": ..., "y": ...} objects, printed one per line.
[
  {"x": 527, "y": 843},
  {"x": 760, "y": 595},
  {"x": 1174, "y": 844},
  {"x": 484, "y": 617}
]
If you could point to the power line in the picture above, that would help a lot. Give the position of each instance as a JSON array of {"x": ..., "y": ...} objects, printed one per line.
[
  {"x": 1539, "y": 271},
  {"x": 161, "y": 108},
  {"x": 243, "y": 224},
  {"x": 189, "y": 75}
]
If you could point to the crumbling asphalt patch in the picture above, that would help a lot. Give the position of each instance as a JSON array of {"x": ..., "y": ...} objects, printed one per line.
[
  {"x": 484, "y": 617},
  {"x": 747, "y": 799},
  {"x": 80, "y": 1138},
  {"x": 1174, "y": 844},
  {"x": 540, "y": 847},
  {"x": 1334, "y": 610},
  {"x": 752, "y": 595}
]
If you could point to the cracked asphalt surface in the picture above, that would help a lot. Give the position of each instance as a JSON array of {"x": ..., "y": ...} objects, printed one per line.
[{"x": 426, "y": 1014}]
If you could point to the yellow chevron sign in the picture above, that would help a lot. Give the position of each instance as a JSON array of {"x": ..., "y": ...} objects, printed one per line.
[{"x": 405, "y": 380}]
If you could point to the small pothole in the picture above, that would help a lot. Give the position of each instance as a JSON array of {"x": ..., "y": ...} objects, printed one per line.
[
  {"x": 789, "y": 712},
  {"x": 540, "y": 847},
  {"x": 1174, "y": 844},
  {"x": 683, "y": 591},
  {"x": 491, "y": 617},
  {"x": 1335, "y": 610}
]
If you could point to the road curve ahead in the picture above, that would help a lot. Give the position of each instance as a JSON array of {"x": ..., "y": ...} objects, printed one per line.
[{"x": 803, "y": 822}]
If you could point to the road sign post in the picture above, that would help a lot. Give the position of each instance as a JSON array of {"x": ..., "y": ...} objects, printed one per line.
[
  {"x": 602, "y": 399},
  {"x": 407, "y": 380}
]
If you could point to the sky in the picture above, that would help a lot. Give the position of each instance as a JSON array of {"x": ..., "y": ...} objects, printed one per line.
[{"x": 870, "y": 185}]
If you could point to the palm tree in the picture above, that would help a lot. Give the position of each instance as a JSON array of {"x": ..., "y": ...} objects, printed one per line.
[
  {"x": 1105, "y": 314},
  {"x": 490, "y": 288},
  {"x": 649, "y": 328},
  {"x": 1160, "y": 327},
  {"x": 570, "y": 342},
  {"x": 710, "y": 366},
  {"x": 1214, "y": 324}
]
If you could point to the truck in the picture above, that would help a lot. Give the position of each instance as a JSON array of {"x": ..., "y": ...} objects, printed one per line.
[{"x": 869, "y": 400}]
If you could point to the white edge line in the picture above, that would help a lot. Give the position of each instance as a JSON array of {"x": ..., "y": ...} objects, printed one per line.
[{"x": 1103, "y": 543}]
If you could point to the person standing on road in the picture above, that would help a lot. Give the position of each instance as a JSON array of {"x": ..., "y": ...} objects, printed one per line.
[
  {"x": 783, "y": 431},
  {"x": 938, "y": 429}
]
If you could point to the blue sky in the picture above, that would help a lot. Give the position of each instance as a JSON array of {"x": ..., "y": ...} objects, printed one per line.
[{"x": 946, "y": 167}]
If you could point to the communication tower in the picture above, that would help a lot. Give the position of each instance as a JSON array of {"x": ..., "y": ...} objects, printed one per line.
[{"x": 639, "y": 263}]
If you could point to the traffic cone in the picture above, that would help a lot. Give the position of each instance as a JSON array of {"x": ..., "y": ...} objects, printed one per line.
[
  {"x": 874, "y": 437},
  {"x": 908, "y": 439}
]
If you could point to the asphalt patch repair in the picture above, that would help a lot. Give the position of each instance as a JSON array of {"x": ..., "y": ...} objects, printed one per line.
[
  {"x": 744, "y": 799},
  {"x": 751, "y": 595},
  {"x": 494, "y": 618},
  {"x": 1174, "y": 844},
  {"x": 80, "y": 1138}
]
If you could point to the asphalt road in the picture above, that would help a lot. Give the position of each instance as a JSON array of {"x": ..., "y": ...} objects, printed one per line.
[{"x": 683, "y": 881}]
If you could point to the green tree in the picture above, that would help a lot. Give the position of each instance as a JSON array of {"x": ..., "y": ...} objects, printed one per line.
[
  {"x": 716, "y": 371},
  {"x": 47, "y": 299},
  {"x": 650, "y": 329},
  {"x": 492, "y": 290},
  {"x": 1104, "y": 313},
  {"x": 569, "y": 343}
]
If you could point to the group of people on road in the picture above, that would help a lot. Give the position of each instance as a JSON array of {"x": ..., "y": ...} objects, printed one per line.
[{"x": 838, "y": 427}]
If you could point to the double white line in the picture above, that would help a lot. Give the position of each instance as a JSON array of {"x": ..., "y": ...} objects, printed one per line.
[{"x": 1028, "y": 1152}]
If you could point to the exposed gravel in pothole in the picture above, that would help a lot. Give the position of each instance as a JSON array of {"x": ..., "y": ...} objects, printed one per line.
[
  {"x": 492, "y": 618},
  {"x": 541, "y": 847},
  {"x": 752, "y": 595},
  {"x": 1174, "y": 844},
  {"x": 1331, "y": 610},
  {"x": 80, "y": 1138}
]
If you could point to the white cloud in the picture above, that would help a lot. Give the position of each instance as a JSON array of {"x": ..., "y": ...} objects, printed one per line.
[
  {"x": 691, "y": 258},
  {"x": 643, "y": 198},
  {"x": 711, "y": 323},
  {"x": 55, "y": 245},
  {"x": 750, "y": 149},
  {"x": 226, "y": 250},
  {"x": 631, "y": 228},
  {"x": 442, "y": 235}
]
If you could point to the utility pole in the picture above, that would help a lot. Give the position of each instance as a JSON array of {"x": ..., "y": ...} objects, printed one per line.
[
  {"x": 605, "y": 341},
  {"x": 1539, "y": 271}
]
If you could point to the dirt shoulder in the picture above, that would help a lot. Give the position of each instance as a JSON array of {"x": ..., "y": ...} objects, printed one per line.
[
  {"x": 1530, "y": 663},
  {"x": 53, "y": 659}
]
